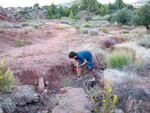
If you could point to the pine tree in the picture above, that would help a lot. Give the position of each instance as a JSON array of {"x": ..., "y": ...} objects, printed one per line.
[{"x": 71, "y": 15}]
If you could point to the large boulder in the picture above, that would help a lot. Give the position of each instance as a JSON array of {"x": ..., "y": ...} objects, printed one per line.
[
  {"x": 6, "y": 16},
  {"x": 25, "y": 94},
  {"x": 116, "y": 77},
  {"x": 73, "y": 100}
]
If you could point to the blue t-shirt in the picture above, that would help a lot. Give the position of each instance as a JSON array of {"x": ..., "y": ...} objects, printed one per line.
[{"x": 82, "y": 55}]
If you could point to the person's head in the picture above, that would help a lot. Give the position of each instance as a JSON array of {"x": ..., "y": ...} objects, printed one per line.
[{"x": 72, "y": 55}]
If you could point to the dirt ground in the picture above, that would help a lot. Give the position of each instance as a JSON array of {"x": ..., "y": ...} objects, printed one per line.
[{"x": 47, "y": 55}]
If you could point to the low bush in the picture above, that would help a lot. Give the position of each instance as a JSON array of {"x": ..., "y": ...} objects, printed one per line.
[
  {"x": 36, "y": 26},
  {"x": 65, "y": 18},
  {"x": 20, "y": 43},
  {"x": 77, "y": 27},
  {"x": 145, "y": 41},
  {"x": 5, "y": 77},
  {"x": 58, "y": 27},
  {"x": 125, "y": 32},
  {"x": 127, "y": 27},
  {"x": 119, "y": 58},
  {"x": 108, "y": 103},
  {"x": 105, "y": 31},
  {"x": 66, "y": 82},
  {"x": 93, "y": 32},
  {"x": 83, "y": 31},
  {"x": 87, "y": 26},
  {"x": 88, "y": 18}
]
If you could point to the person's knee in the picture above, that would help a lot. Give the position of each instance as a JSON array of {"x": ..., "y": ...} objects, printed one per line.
[{"x": 90, "y": 68}]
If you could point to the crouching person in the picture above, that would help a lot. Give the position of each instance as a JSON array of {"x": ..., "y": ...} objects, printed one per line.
[{"x": 83, "y": 58}]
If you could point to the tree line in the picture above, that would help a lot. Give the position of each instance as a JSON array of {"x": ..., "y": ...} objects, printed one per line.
[
  {"x": 91, "y": 6},
  {"x": 137, "y": 17}
]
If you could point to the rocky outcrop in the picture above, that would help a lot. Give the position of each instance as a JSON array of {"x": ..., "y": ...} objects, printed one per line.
[
  {"x": 73, "y": 100},
  {"x": 6, "y": 104},
  {"x": 28, "y": 13},
  {"x": 6, "y": 16},
  {"x": 24, "y": 95}
]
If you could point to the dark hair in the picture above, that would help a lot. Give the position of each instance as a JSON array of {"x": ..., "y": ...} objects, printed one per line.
[{"x": 72, "y": 54}]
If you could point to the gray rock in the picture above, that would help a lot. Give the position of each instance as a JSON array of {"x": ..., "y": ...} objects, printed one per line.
[
  {"x": 113, "y": 42},
  {"x": 25, "y": 24},
  {"x": 6, "y": 25},
  {"x": 7, "y": 104},
  {"x": 118, "y": 111},
  {"x": 1, "y": 111},
  {"x": 17, "y": 26},
  {"x": 25, "y": 94}
]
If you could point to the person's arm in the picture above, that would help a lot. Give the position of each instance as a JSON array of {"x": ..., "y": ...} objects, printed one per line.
[{"x": 85, "y": 61}]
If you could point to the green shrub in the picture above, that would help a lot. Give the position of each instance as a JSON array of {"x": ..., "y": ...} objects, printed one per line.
[
  {"x": 105, "y": 31},
  {"x": 87, "y": 26},
  {"x": 108, "y": 103},
  {"x": 127, "y": 27},
  {"x": 87, "y": 12},
  {"x": 77, "y": 27},
  {"x": 83, "y": 31},
  {"x": 119, "y": 58},
  {"x": 125, "y": 32},
  {"x": 36, "y": 26},
  {"x": 93, "y": 32},
  {"x": 65, "y": 18},
  {"x": 58, "y": 27},
  {"x": 88, "y": 18},
  {"x": 77, "y": 17},
  {"x": 36, "y": 5},
  {"x": 20, "y": 43},
  {"x": 95, "y": 105},
  {"x": 140, "y": 64},
  {"x": 66, "y": 82},
  {"x": 5, "y": 77}
]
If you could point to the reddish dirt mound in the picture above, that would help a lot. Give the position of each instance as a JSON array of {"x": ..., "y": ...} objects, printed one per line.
[{"x": 47, "y": 56}]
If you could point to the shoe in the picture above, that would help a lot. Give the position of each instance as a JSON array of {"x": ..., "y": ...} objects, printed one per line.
[{"x": 95, "y": 78}]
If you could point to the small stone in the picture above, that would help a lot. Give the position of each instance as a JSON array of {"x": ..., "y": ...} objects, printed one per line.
[
  {"x": 41, "y": 84},
  {"x": 1, "y": 111},
  {"x": 45, "y": 111},
  {"x": 47, "y": 83}
]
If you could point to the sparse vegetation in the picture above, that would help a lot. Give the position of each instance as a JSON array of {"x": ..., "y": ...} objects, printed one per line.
[
  {"x": 95, "y": 105},
  {"x": 87, "y": 26},
  {"x": 108, "y": 103},
  {"x": 119, "y": 58},
  {"x": 125, "y": 32},
  {"x": 66, "y": 82},
  {"x": 21, "y": 42},
  {"x": 5, "y": 77},
  {"x": 93, "y": 32},
  {"x": 83, "y": 31},
  {"x": 58, "y": 27},
  {"x": 140, "y": 64},
  {"x": 105, "y": 31},
  {"x": 88, "y": 18}
]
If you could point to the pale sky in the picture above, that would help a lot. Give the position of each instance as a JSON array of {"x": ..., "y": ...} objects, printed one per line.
[{"x": 24, "y": 3}]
